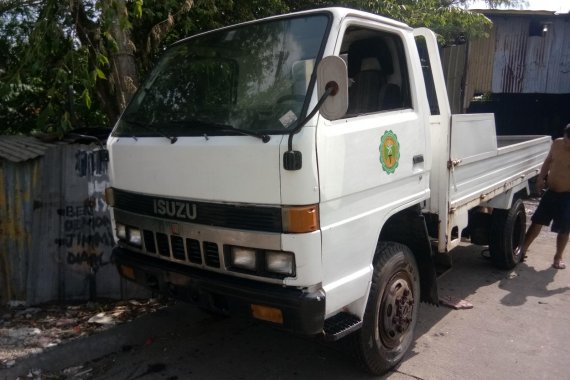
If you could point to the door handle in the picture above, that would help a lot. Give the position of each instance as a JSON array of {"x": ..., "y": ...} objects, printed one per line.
[{"x": 418, "y": 159}]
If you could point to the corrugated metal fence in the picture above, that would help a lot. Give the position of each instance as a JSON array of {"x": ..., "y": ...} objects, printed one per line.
[
  {"x": 454, "y": 60},
  {"x": 55, "y": 229},
  {"x": 526, "y": 53}
]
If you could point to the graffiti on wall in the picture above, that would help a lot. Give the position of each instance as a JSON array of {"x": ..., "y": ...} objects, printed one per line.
[
  {"x": 91, "y": 163},
  {"x": 86, "y": 232}
]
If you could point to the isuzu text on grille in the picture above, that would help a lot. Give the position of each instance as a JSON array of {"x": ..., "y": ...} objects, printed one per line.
[{"x": 175, "y": 209}]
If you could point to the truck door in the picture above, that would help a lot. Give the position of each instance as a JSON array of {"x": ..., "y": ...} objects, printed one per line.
[
  {"x": 373, "y": 161},
  {"x": 439, "y": 120}
]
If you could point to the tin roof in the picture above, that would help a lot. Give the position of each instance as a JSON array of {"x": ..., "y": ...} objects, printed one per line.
[
  {"x": 515, "y": 12},
  {"x": 22, "y": 148}
]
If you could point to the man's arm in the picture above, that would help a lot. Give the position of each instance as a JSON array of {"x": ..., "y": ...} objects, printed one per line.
[{"x": 541, "y": 179}]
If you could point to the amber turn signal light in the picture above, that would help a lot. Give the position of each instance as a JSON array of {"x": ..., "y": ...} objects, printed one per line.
[
  {"x": 301, "y": 219},
  {"x": 266, "y": 313}
]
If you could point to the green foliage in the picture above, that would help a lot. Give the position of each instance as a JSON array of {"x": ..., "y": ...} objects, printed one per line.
[
  {"x": 43, "y": 73},
  {"x": 447, "y": 18},
  {"x": 60, "y": 64}
]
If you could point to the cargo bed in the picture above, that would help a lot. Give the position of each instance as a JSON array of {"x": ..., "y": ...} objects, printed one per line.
[{"x": 483, "y": 166}]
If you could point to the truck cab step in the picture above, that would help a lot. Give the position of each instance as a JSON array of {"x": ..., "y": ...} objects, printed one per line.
[{"x": 341, "y": 325}]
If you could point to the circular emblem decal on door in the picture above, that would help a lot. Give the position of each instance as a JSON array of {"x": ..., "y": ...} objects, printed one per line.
[{"x": 389, "y": 152}]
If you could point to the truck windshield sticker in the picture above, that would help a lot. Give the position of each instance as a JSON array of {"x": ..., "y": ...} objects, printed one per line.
[
  {"x": 389, "y": 152},
  {"x": 288, "y": 119}
]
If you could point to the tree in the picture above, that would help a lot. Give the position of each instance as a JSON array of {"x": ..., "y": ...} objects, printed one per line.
[
  {"x": 82, "y": 53},
  {"x": 77, "y": 63}
]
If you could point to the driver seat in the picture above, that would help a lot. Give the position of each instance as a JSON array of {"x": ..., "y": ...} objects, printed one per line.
[{"x": 364, "y": 94}]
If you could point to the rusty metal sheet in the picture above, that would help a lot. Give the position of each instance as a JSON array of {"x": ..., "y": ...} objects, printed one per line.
[
  {"x": 536, "y": 64},
  {"x": 55, "y": 228},
  {"x": 479, "y": 76},
  {"x": 521, "y": 61},
  {"x": 454, "y": 61},
  {"x": 558, "y": 75},
  {"x": 527, "y": 63},
  {"x": 18, "y": 185},
  {"x": 510, "y": 54}
]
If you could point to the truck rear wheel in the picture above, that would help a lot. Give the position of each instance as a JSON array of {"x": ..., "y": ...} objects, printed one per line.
[
  {"x": 390, "y": 317},
  {"x": 507, "y": 235}
]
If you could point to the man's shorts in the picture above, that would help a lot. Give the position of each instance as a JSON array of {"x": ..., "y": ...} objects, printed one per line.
[{"x": 554, "y": 207}]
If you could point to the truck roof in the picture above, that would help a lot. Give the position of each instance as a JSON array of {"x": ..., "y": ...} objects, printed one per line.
[{"x": 338, "y": 13}]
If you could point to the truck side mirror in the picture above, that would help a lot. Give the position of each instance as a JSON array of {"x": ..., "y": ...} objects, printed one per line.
[{"x": 333, "y": 73}]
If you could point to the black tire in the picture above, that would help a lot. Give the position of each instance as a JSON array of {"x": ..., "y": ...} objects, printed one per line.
[
  {"x": 391, "y": 312},
  {"x": 507, "y": 235}
]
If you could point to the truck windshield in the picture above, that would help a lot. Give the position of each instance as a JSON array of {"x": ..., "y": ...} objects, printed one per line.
[{"x": 253, "y": 78}]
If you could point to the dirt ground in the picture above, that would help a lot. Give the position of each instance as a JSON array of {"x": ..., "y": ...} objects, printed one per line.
[{"x": 26, "y": 331}]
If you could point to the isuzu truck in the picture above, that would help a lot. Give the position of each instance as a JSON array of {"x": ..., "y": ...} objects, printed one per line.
[{"x": 305, "y": 170}]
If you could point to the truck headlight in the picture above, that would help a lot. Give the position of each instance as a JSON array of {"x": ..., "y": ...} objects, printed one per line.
[
  {"x": 280, "y": 262},
  {"x": 121, "y": 231},
  {"x": 243, "y": 258},
  {"x": 135, "y": 237}
]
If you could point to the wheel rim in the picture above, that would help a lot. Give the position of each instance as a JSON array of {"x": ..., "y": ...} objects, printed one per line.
[
  {"x": 396, "y": 310},
  {"x": 518, "y": 233}
]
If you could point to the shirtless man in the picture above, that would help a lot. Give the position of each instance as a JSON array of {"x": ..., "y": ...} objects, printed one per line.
[{"x": 555, "y": 203}]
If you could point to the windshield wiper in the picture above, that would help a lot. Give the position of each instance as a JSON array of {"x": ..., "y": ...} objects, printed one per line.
[
  {"x": 224, "y": 128},
  {"x": 151, "y": 127},
  {"x": 227, "y": 128}
]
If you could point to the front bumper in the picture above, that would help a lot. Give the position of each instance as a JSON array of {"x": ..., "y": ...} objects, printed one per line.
[{"x": 302, "y": 312}]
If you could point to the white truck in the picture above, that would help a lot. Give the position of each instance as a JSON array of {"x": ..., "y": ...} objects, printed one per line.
[{"x": 305, "y": 170}]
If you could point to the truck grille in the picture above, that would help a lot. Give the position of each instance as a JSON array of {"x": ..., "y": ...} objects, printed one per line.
[
  {"x": 149, "y": 243},
  {"x": 173, "y": 246},
  {"x": 162, "y": 242},
  {"x": 177, "y": 245},
  {"x": 211, "y": 254},
  {"x": 193, "y": 250}
]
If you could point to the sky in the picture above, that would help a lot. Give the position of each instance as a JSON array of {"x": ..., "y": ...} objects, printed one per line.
[{"x": 561, "y": 6}]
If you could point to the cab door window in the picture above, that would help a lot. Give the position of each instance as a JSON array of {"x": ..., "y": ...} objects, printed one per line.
[{"x": 377, "y": 71}]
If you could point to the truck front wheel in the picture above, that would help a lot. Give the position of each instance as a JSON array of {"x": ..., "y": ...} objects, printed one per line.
[
  {"x": 391, "y": 312},
  {"x": 507, "y": 235}
]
